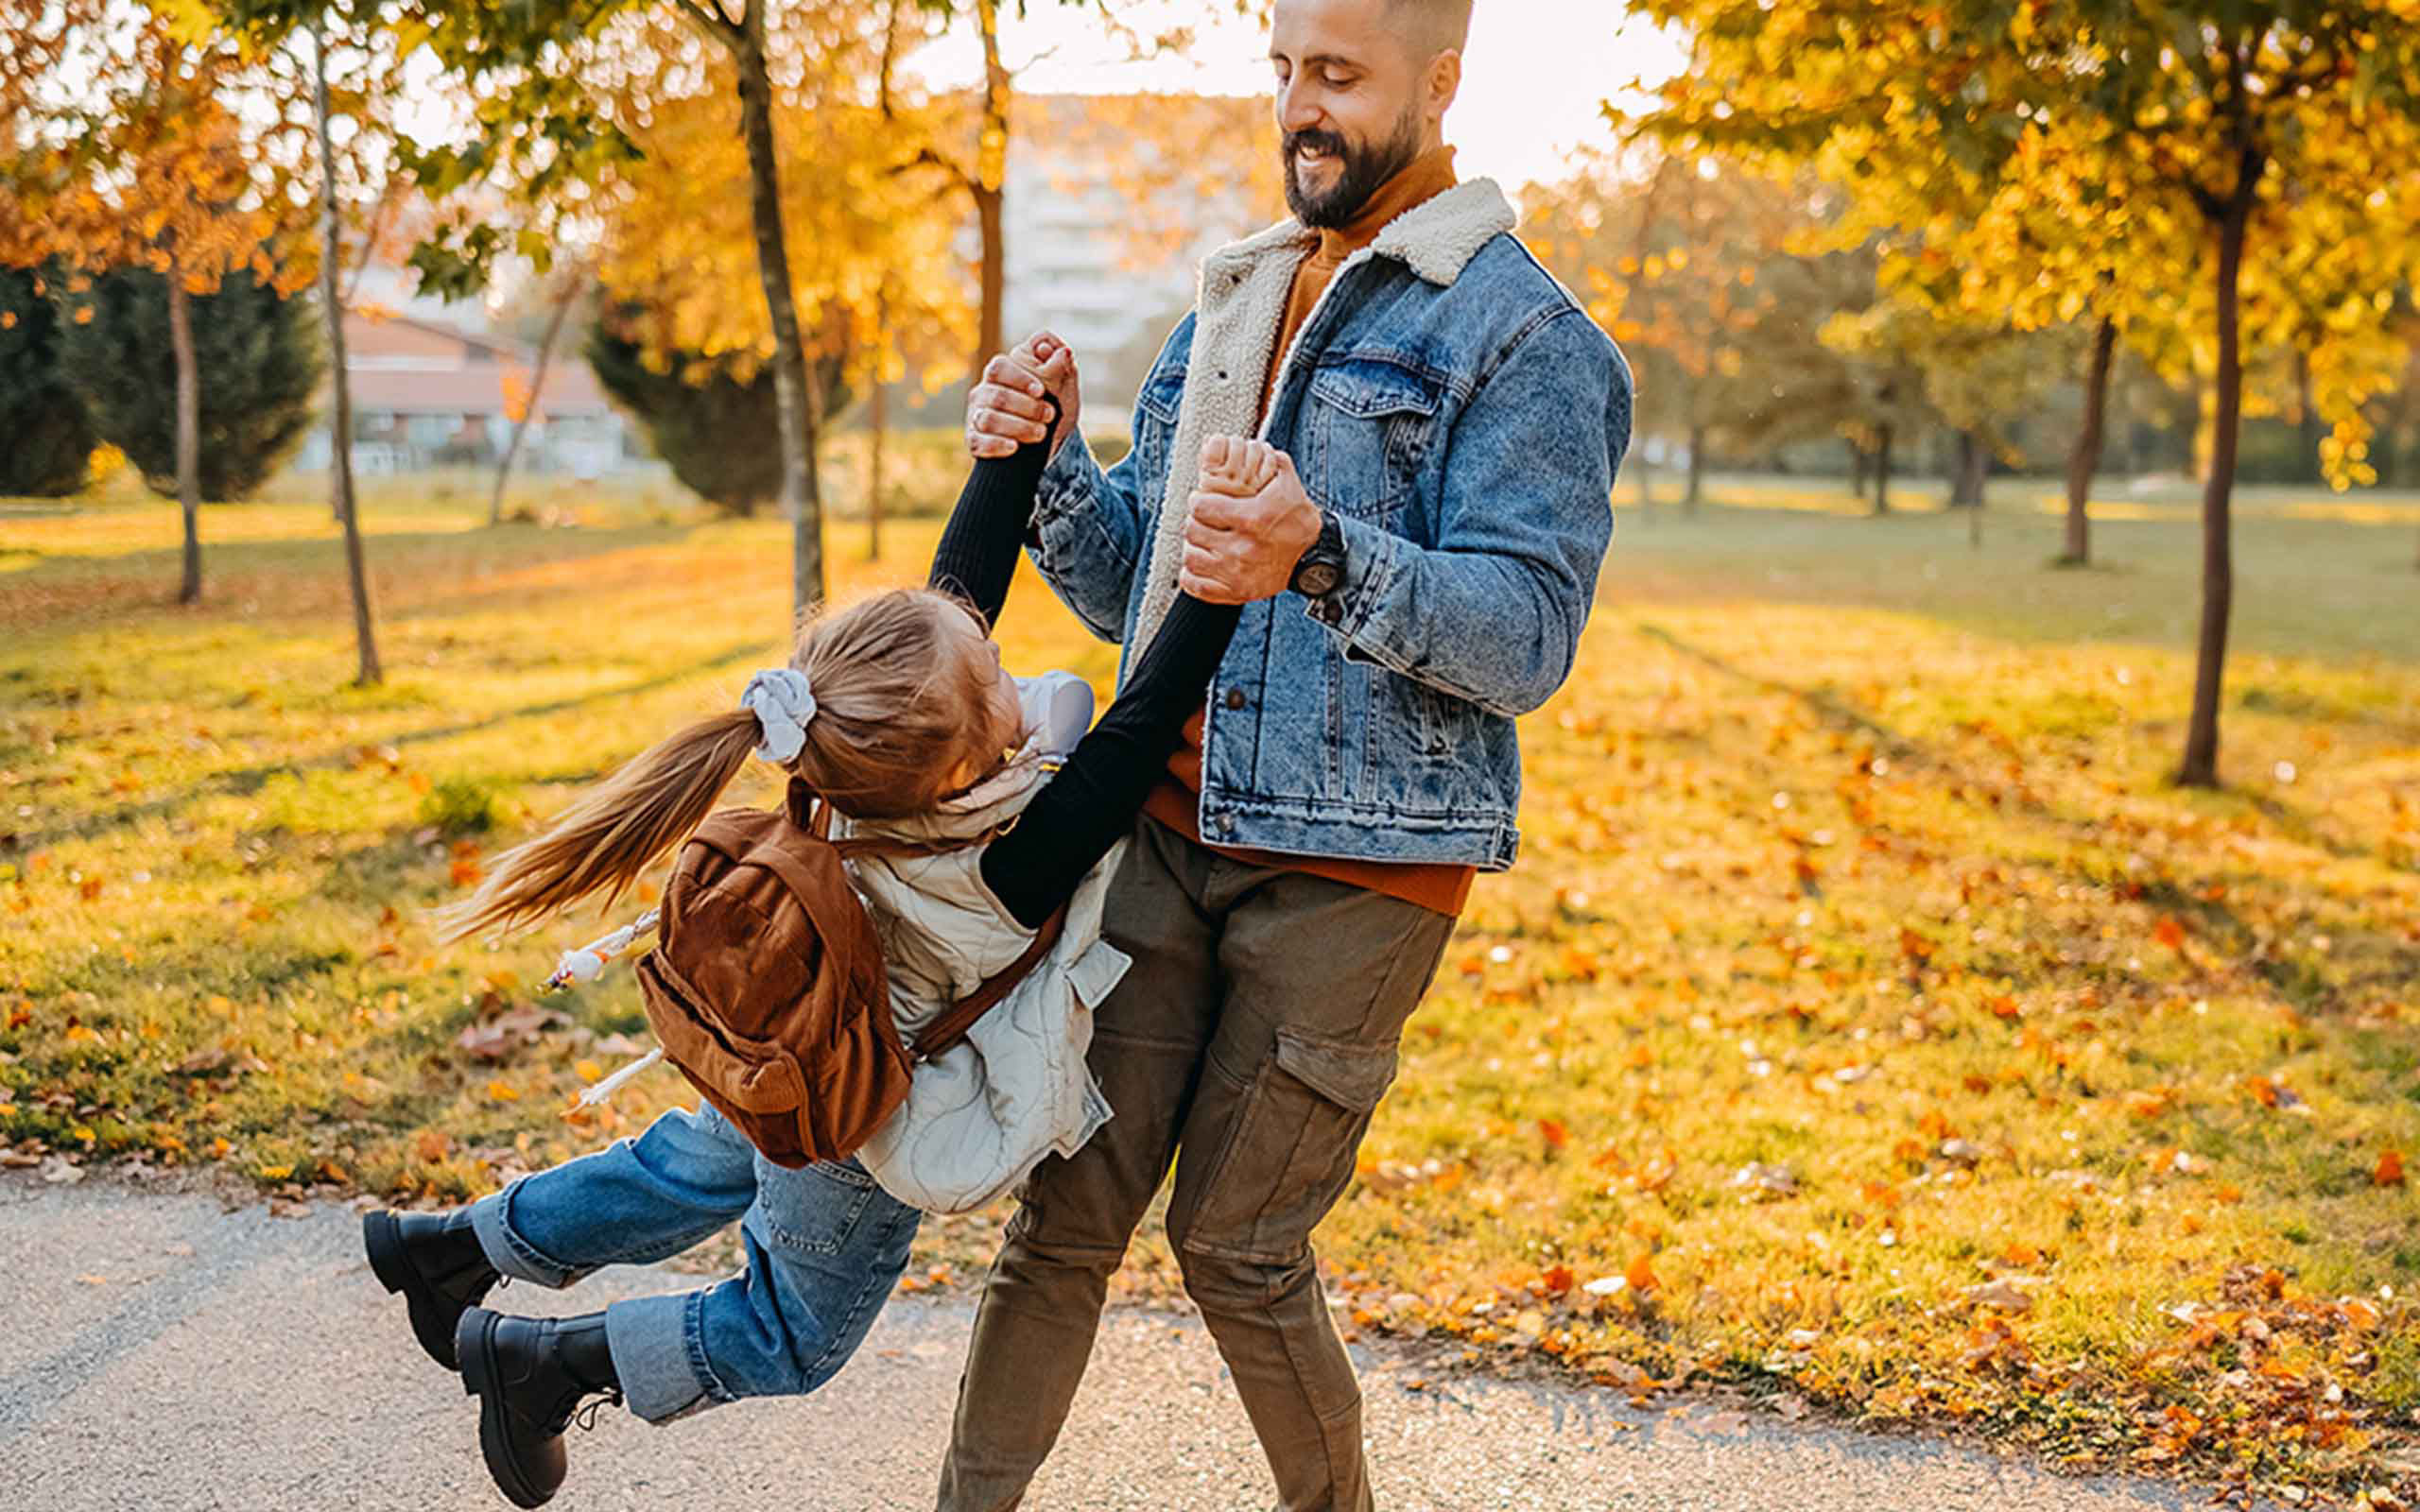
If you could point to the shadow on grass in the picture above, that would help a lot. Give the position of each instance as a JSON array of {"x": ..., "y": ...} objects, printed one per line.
[
  {"x": 245, "y": 780},
  {"x": 411, "y": 573},
  {"x": 2323, "y": 590},
  {"x": 2216, "y": 919}
]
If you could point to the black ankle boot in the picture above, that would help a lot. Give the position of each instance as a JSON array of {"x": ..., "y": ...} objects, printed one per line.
[
  {"x": 529, "y": 1375},
  {"x": 435, "y": 1260}
]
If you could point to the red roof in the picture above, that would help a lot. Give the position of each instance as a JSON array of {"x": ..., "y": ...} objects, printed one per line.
[{"x": 571, "y": 389}]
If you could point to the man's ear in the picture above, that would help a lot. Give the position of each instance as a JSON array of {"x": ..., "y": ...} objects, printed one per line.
[{"x": 1445, "y": 81}]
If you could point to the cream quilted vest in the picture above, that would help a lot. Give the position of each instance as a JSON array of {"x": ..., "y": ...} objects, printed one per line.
[{"x": 980, "y": 1117}]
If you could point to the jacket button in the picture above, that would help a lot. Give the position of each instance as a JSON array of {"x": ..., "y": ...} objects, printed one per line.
[
  {"x": 1236, "y": 699},
  {"x": 1225, "y": 823}
]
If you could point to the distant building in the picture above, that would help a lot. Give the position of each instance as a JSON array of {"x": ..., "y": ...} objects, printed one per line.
[
  {"x": 1076, "y": 262},
  {"x": 432, "y": 390}
]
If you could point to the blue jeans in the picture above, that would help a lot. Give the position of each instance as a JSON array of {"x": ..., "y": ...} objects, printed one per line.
[{"x": 825, "y": 1246}]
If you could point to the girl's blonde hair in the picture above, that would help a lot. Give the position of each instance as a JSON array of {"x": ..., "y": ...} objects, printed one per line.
[{"x": 899, "y": 705}]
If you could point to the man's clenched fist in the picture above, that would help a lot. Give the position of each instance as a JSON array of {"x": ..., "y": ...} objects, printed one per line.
[
  {"x": 1250, "y": 523},
  {"x": 1004, "y": 410}
]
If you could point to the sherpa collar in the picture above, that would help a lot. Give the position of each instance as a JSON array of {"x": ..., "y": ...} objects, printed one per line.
[
  {"x": 1241, "y": 309},
  {"x": 1436, "y": 238}
]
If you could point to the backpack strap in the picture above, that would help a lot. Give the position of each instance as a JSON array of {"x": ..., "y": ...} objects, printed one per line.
[{"x": 944, "y": 1033}]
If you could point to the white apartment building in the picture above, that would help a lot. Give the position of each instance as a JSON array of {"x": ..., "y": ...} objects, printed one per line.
[{"x": 1085, "y": 260}]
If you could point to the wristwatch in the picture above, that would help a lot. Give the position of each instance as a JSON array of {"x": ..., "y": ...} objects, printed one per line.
[{"x": 1321, "y": 569}]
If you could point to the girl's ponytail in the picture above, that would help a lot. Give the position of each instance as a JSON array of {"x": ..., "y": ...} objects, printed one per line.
[
  {"x": 897, "y": 700},
  {"x": 614, "y": 831}
]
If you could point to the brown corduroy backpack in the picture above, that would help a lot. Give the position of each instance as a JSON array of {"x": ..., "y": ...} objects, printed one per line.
[{"x": 767, "y": 984}]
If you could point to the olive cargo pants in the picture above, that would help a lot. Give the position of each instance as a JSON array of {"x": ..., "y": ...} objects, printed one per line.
[{"x": 1249, "y": 1043}]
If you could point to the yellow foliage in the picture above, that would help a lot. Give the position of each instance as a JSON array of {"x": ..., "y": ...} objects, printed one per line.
[
  {"x": 869, "y": 247},
  {"x": 178, "y": 174},
  {"x": 2036, "y": 203}
]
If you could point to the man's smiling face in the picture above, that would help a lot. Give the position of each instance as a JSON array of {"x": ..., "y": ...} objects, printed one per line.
[{"x": 1358, "y": 99}]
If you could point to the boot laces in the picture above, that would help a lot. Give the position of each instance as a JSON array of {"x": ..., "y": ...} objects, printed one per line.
[{"x": 585, "y": 1414}]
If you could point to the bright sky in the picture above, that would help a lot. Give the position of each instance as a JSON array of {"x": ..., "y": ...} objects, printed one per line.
[{"x": 1532, "y": 81}]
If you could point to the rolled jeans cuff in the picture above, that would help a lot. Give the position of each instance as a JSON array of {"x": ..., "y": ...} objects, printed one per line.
[
  {"x": 510, "y": 1254},
  {"x": 658, "y": 1356}
]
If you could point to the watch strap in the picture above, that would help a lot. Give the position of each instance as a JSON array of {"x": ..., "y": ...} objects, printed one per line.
[{"x": 1328, "y": 551}]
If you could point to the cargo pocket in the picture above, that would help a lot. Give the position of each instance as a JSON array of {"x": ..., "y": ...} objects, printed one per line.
[
  {"x": 1289, "y": 1153},
  {"x": 811, "y": 1210}
]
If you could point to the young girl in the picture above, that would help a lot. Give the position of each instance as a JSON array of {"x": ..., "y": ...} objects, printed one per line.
[{"x": 897, "y": 711}]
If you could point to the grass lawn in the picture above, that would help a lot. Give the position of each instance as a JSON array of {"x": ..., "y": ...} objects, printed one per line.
[{"x": 1867, "y": 1019}]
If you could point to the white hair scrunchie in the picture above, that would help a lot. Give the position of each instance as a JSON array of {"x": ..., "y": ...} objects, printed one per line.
[{"x": 784, "y": 706}]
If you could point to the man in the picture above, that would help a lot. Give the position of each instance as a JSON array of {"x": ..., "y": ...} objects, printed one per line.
[{"x": 1418, "y": 571}]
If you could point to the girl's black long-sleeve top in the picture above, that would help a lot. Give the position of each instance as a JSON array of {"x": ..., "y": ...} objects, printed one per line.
[{"x": 1090, "y": 803}]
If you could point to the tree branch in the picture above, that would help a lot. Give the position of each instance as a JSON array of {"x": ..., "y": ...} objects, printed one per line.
[
  {"x": 927, "y": 158},
  {"x": 710, "y": 20}
]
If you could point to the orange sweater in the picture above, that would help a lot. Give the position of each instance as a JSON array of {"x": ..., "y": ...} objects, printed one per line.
[{"x": 1176, "y": 802}]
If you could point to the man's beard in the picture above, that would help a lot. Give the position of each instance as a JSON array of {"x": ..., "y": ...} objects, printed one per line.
[{"x": 1363, "y": 172}]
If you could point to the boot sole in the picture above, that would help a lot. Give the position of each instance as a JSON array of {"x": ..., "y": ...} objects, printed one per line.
[
  {"x": 383, "y": 1241},
  {"x": 478, "y": 1380}
]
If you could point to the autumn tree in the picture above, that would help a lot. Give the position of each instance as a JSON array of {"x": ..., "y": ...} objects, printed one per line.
[
  {"x": 49, "y": 431},
  {"x": 1681, "y": 258},
  {"x": 2199, "y": 150},
  {"x": 134, "y": 147},
  {"x": 867, "y": 250},
  {"x": 1978, "y": 377},
  {"x": 261, "y": 350},
  {"x": 544, "y": 76},
  {"x": 705, "y": 420},
  {"x": 571, "y": 287}
]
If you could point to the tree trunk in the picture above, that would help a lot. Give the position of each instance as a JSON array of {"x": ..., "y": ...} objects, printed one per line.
[
  {"x": 1696, "y": 493},
  {"x": 806, "y": 547},
  {"x": 188, "y": 431},
  {"x": 801, "y": 495},
  {"x": 2201, "y": 766},
  {"x": 989, "y": 187},
  {"x": 1973, "y": 465},
  {"x": 2308, "y": 420},
  {"x": 340, "y": 384},
  {"x": 572, "y": 288},
  {"x": 2085, "y": 460},
  {"x": 1882, "y": 472},
  {"x": 879, "y": 441},
  {"x": 1646, "y": 487},
  {"x": 1860, "y": 469}
]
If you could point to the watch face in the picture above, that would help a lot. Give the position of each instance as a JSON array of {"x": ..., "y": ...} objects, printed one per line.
[{"x": 1319, "y": 579}]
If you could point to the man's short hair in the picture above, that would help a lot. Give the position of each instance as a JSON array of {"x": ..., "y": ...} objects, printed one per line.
[{"x": 1433, "y": 26}]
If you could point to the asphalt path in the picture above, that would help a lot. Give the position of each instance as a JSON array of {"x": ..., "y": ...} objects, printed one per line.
[{"x": 160, "y": 1351}]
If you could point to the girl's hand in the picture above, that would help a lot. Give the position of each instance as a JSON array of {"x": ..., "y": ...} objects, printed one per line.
[
  {"x": 1250, "y": 520},
  {"x": 1006, "y": 410}
]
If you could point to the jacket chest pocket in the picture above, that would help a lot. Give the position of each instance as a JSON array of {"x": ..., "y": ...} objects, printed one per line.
[
  {"x": 1155, "y": 416},
  {"x": 1368, "y": 428}
]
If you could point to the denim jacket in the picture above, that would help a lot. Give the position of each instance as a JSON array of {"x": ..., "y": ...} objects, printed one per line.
[{"x": 1463, "y": 418}]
